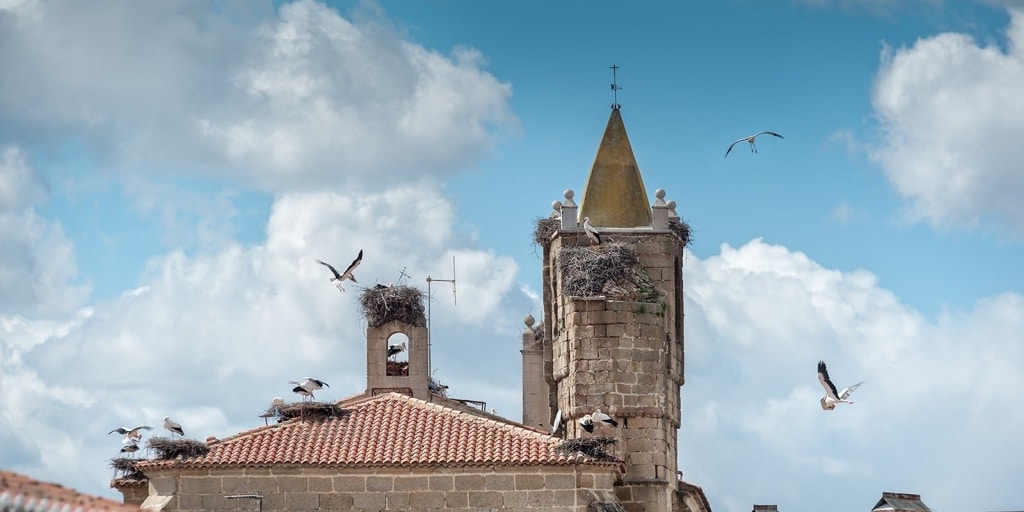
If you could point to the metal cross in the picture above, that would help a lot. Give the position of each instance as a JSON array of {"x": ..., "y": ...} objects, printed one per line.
[{"x": 615, "y": 87}]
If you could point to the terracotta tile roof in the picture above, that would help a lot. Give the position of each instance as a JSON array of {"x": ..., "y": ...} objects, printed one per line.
[
  {"x": 387, "y": 430},
  {"x": 21, "y": 493}
]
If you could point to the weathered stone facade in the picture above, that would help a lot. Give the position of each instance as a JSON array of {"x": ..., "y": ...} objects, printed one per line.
[{"x": 299, "y": 488}]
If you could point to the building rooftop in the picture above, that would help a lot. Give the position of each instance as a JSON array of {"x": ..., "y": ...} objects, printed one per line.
[
  {"x": 900, "y": 502},
  {"x": 23, "y": 494},
  {"x": 389, "y": 429}
]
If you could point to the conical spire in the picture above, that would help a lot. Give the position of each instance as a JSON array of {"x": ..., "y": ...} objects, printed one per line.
[{"x": 615, "y": 196}]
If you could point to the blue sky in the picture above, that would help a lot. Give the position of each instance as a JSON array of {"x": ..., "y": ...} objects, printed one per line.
[{"x": 169, "y": 172}]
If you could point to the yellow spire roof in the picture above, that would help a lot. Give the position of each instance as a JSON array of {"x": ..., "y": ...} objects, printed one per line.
[{"x": 615, "y": 196}]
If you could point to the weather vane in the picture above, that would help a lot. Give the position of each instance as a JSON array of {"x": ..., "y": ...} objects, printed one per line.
[{"x": 615, "y": 87}]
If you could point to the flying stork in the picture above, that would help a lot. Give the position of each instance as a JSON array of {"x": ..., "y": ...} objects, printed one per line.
[
  {"x": 750, "y": 139},
  {"x": 832, "y": 397},
  {"x": 131, "y": 435},
  {"x": 347, "y": 274}
]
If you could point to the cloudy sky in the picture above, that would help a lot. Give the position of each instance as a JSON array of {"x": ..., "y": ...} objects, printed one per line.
[{"x": 170, "y": 171}]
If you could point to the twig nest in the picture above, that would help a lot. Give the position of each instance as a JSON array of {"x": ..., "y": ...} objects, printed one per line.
[
  {"x": 383, "y": 304},
  {"x": 610, "y": 269}
]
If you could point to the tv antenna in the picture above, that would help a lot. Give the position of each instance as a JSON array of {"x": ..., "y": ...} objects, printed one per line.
[
  {"x": 430, "y": 299},
  {"x": 402, "y": 275}
]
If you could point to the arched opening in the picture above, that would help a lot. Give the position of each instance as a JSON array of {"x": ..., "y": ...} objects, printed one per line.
[{"x": 398, "y": 355}]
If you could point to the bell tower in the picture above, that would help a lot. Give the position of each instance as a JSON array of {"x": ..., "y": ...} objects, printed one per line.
[
  {"x": 396, "y": 341},
  {"x": 613, "y": 318}
]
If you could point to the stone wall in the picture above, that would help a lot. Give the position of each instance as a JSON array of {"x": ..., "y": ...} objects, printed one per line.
[{"x": 553, "y": 488}]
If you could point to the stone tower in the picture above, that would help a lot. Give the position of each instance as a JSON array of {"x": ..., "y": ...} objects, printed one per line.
[
  {"x": 617, "y": 345},
  {"x": 402, "y": 314}
]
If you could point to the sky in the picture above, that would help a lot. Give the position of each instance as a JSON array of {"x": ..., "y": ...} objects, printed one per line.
[{"x": 171, "y": 171}]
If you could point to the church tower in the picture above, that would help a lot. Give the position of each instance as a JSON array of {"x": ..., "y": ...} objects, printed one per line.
[{"x": 613, "y": 320}]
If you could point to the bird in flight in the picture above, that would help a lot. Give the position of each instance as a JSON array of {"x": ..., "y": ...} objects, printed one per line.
[
  {"x": 753, "y": 147},
  {"x": 131, "y": 435},
  {"x": 833, "y": 397},
  {"x": 347, "y": 274},
  {"x": 591, "y": 232}
]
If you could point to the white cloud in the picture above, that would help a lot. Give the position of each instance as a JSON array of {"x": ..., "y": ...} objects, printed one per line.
[
  {"x": 291, "y": 100},
  {"x": 950, "y": 116},
  {"x": 938, "y": 392},
  {"x": 37, "y": 261}
]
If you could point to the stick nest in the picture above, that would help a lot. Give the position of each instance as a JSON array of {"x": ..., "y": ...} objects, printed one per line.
[
  {"x": 306, "y": 411},
  {"x": 397, "y": 368},
  {"x": 168, "y": 448},
  {"x": 607, "y": 506},
  {"x": 595, "y": 447},
  {"x": 383, "y": 304},
  {"x": 127, "y": 468},
  {"x": 681, "y": 228},
  {"x": 544, "y": 228},
  {"x": 610, "y": 269}
]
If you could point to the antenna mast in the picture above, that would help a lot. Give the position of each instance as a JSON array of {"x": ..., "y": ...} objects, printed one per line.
[{"x": 430, "y": 299}]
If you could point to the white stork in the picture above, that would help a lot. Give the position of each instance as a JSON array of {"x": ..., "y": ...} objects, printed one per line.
[
  {"x": 750, "y": 139},
  {"x": 587, "y": 422},
  {"x": 347, "y": 274},
  {"x": 308, "y": 384},
  {"x": 173, "y": 426},
  {"x": 832, "y": 397},
  {"x": 604, "y": 419},
  {"x": 130, "y": 448},
  {"x": 394, "y": 350},
  {"x": 591, "y": 231},
  {"x": 131, "y": 435}
]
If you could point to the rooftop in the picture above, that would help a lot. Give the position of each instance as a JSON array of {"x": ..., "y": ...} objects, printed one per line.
[
  {"x": 389, "y": 429},
  {"x": 21, "y": 493}
]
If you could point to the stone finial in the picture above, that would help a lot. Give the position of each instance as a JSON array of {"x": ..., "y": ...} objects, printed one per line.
[
  {"x": 659, "y": 197},
  {"x": 568, "y": 211},
  {"x": 529, "y": 321},
  {"x": 556, "y": 209},
  {"x": 672, "y": 210},
  {"x": 568, "y": 194},
  {"x": 659, "y": 210}
]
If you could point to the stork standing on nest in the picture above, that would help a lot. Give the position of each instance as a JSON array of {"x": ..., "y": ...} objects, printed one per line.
[
  {"x": 587, "y": 422},
  {"x": 750, "y": 139},
  {"x": 173, "y": 427},
  {"x": 604, "y": 419},
  {"x": 309, "y": 384},
  {"x": 394, "y": 350},
  {"x": 347, "y": 274},
  {"x": 130, "y": 448},
  {"x": 591, "y": 231}
]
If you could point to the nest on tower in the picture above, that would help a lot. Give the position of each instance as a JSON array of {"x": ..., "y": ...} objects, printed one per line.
[
  {"x": 543, "y": 229},
  {"x": 306, "y": 411},
  {"x": 610, "y": 269},
  {"x": 382, "y": 304},
  {"x": 596, "y": 447},
  {"x": 607, "y": 506},
  {"x": 169, "y": 449},
  {"x": 128, "y": 469},
  {"x": 681, "y": 228}
]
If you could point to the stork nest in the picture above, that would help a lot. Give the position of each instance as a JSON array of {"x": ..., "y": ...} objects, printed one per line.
[
  {"x": 437, "y": 388},
  {"x": 607, "y": 506},
  {"x": 383, "y": 304},
  {"x": 682, "y": 228},
  {"x": 127, "y": 468},
  {"x": 169, "y": 449},
  {"x": 538, "y": 332},
  {"x": 397, "y": 368},
  {"x": 595, "y": 447},
  {"x": 306, "y": 411},
  {"x": 543, "y": 229},
  {"x": 610, "y": 269}
]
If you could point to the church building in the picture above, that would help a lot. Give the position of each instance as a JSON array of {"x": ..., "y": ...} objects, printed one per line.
[{"x": 610, "y": 342}]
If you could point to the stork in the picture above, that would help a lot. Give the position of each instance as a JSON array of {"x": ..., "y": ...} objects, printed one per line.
[
  {"x": 832, "y": 397},
  {"x": 347, "y": 274},
  {"x": 750, "y": 139},
  {"x": 591, "y": 231},
  {"x": 131, "y": 435},
  {"x": 173, "y": 426}
]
